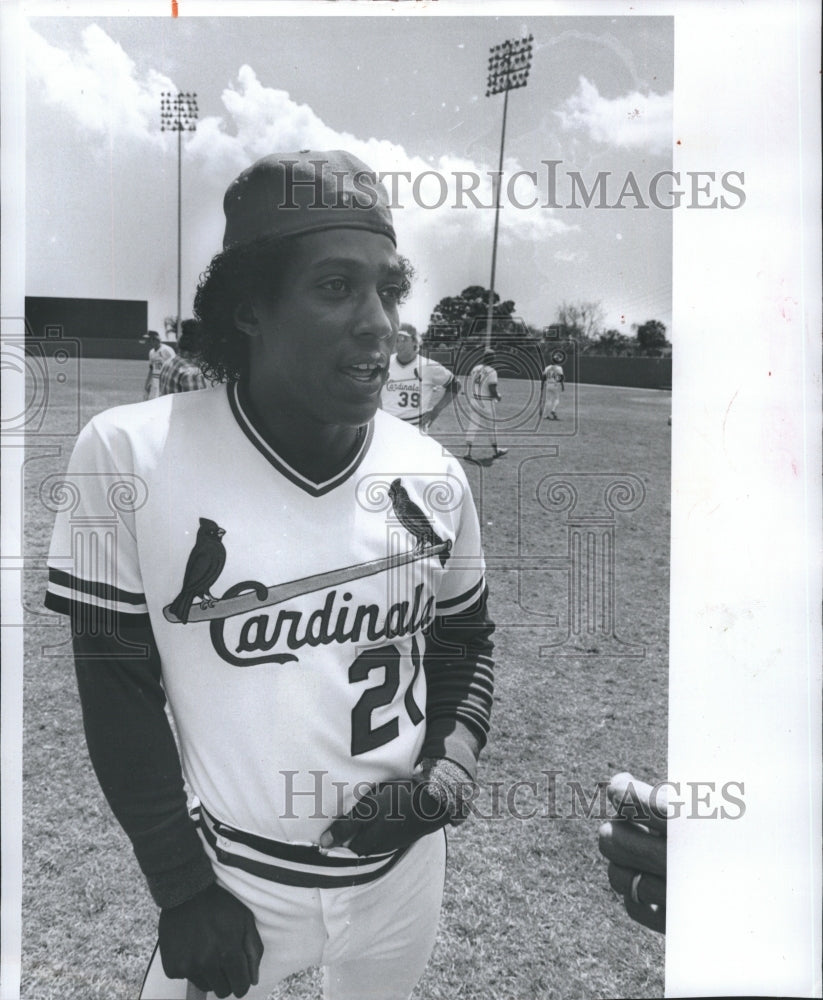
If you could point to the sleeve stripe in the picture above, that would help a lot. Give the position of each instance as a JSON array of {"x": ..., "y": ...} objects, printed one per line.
[
  {"x": 60, "y": 580},
  {"x": 480, "y": 685},
  {"x": 475, "y": 718},
  {"x": 77, "y": 609},
  {"x": 465, "y": 598},
  {"x": 66, "y": 602}
]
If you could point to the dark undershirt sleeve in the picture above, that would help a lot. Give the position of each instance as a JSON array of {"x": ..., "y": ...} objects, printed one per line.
[
  {"x": 460, "y": 686},
  {"x": 135, "y": 757}
]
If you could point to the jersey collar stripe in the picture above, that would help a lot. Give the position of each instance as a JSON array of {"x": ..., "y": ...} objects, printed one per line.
[
  {"x": 105, "y": 591},
  {"x": 466, "y": 596},
  {"x": 236, "y": 394}
]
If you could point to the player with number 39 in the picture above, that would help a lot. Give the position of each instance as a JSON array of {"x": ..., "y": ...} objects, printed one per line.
[
  {"x": 417, "y": 388},
  {"x": 300, "y": 576}
]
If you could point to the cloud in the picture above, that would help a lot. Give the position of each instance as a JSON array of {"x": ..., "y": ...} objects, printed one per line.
[
  {"x": 433, "y": 195},
  {"x": 98, "y": 85},
  {"x": 97, "y": 88},
  {"x": 570, "y": 256},
  {"x": 632, "y": 121}
]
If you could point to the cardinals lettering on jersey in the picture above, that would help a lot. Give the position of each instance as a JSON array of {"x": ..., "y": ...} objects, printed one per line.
[{"x": 325, "y": 623}]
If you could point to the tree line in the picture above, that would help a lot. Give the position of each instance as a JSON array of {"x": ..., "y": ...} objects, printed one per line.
[{"x": 464, "y": 318}]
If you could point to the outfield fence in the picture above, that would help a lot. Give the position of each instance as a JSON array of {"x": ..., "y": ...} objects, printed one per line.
[{"x": 526, "y": 361}]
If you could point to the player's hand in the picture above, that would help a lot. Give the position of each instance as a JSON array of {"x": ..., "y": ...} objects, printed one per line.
[
  {"x": 390, "y": 815},
  {"x": 635, "y": 845},
  {"x": 212, "y": 940}
]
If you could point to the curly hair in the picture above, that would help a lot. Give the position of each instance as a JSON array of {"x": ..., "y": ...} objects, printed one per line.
[
  {"x": 235, "y": 274},
  {"x": 238, "y": 274}
]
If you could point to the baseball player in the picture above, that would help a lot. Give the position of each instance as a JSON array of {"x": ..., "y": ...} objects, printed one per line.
[
  {"x": 552, "y": 384},
  {"x": 299, "y": 576},
  {"x": 182, "y": 371},
  {"x": 481, "y": 388},
  {"x": 417, "y": 389},
  {"x": 159, "y": 353}
]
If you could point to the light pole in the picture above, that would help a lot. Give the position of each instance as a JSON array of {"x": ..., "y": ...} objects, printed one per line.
[
  {"x": 178, "y": 113},
  {"x": 509, "y": 66}
]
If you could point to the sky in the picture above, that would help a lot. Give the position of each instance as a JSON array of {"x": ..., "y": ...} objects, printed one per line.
[{"x": 402, "y": 93}]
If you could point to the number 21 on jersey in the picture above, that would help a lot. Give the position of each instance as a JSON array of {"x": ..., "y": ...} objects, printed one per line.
[{"x": 364, "y": 735}]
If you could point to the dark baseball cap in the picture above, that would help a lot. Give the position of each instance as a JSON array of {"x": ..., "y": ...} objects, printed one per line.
[{"x": 286, "y": 194}]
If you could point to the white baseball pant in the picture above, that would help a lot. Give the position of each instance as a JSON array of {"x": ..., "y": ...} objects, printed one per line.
[{"x": 372, "y": 940}]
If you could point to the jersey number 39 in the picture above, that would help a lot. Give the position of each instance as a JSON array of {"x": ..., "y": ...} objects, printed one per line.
[{"x": 405, "y": 398}]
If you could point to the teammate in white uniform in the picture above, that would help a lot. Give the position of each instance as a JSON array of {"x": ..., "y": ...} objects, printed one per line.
[
  {"x": 181, "y": 373},
  {"x": 159, "y": 354},
  {"x": 552, "y": 384},
  {"x": 481, "y": 389},
  {"x": 417, "y": 388},
  {"x": 301, "y": 577}
]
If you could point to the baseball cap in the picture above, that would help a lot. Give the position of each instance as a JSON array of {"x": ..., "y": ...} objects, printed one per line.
[{"x": 286, "y": 194}]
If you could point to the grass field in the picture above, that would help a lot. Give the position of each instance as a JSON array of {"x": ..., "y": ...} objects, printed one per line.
[{"x": 528, "y": 912}]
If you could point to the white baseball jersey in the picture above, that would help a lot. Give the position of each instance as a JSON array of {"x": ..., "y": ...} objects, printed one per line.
[
  {"x": 158, "y": 356},
  {"x": 481, "y": 389},
  {"x": 552, "y": 384},
  {"x": 412, "y": 387},
  {"x": 481, "y": 381},
  {"x": 289, "y": 614}
]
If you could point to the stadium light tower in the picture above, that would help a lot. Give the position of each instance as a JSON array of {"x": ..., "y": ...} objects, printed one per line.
[
  {"x": 509, "y": 66},
  {"x": 178, "y": 113}
]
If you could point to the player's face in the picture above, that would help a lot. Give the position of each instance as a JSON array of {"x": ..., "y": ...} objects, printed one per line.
[
  {"x": 406, "y": 347},
  {"x": 323, "y": 344}
]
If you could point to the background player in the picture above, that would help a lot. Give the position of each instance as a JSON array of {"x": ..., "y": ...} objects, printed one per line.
[
  {"x": 331, "y": 688},
  {"x": 417, "y": 389},
  {"x": 182, "y": 371},
  {"x": 159, "y": 353},
  {"x": 481, "y": 388},
  {"x": 552, "y": 384}
]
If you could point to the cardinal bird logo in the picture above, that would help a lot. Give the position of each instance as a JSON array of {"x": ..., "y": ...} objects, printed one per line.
[
  {"x": 205, "y": 565},
  {"x": 415, "y": 521}
]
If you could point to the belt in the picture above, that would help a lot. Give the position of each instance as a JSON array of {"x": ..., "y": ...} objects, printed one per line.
[{"x": 289, "y": 864}]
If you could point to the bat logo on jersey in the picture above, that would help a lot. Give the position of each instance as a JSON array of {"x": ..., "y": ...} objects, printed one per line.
[{"x": 330, "y": 622}]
